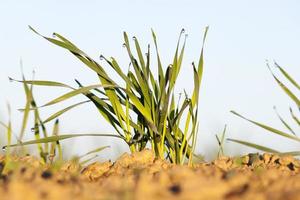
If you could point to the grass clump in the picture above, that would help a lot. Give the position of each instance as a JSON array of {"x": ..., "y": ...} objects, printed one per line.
[{"x": 142, "y": 108}]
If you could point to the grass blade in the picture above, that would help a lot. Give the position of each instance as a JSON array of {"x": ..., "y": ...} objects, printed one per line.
[
  {"x": 255, "y": 146},
  {"x": 288, "y": 76},
  {"x": 268, "y": 128},
  {"x": 59, "y": 113},
  {"x": 284, "y": 122},
  {"x": 56, "y": 138}
]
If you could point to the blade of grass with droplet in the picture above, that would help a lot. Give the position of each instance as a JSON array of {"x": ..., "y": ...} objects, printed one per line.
[
  {"x": 176, "y": 62},
  {"x": 200, "y": 67},
  {"x": 55, "y": 144},
  {"x": 43, "y": 83},
  {"x": 63, "y": 44},
  {"x": 140, "y": 76},
  {"x": 140, "y": 55},
  {"x": 286, "y": 89},
  {"x": 268, "y": 128},
  {"x": 253, "y": 145},
  {"x": 161, "y": 77},
  {"x": 89, "y": 62}
]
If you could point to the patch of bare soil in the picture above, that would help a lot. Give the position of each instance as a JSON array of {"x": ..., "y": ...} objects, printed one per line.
[{"x": 141, "y": 176}]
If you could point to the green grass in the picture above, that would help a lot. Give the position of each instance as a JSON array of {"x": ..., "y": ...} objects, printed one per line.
[
  {"x": 142, "y": 108},
  {"x": 290, "y": 133}
]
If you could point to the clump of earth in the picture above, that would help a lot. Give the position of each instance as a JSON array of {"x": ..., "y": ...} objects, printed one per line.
[{"x": 141, "y": 176}]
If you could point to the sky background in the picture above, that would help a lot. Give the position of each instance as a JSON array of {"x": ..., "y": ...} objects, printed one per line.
[{"x": 242, "y": 36}]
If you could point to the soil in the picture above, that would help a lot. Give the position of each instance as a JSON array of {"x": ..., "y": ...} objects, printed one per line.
[{"x": 141, "y": 176}]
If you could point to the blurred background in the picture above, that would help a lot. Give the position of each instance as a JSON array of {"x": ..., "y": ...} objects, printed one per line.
[{"x": 242, "y": 36}]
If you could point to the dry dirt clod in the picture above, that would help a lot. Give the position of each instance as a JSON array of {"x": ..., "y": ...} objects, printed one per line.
[{"x": 95, "y": 170}]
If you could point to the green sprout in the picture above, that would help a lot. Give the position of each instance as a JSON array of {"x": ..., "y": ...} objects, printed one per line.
[{"x": 142, "y": 108}]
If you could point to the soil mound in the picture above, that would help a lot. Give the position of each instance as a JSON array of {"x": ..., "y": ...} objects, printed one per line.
[{"x": 142, "y": 176}]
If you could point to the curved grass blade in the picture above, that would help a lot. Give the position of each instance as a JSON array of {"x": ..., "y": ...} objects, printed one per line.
[
  {"x": 221, "y": 141},
  {"x": 268, "y": 128},
  {"x": 88, "y": 160},
  {"x": 296, "y": 119},
  {"x": 75, "y": 92},
  {"x": 284, "y": 122},
  {"x": 286, "y": 89},
  {"x": 288, "y": 76},
  {"x": 67, "y": 45},
  {"x": 42, "y": 83},
  {"x": 94, "y": 151},
  {"x": 255, "y": 146},
  {"x": 59, "y": 113}
]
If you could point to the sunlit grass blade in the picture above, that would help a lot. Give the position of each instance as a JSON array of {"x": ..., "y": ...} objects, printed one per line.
[
  {"x": 268, "y": 128},
  {"x": 255, "y": 146}
]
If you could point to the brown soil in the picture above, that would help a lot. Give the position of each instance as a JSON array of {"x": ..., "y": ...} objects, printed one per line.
[{"x": 141, "y": 176}]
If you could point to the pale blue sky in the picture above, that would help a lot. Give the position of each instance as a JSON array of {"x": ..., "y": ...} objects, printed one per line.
[{"x": 242, "y": 35}]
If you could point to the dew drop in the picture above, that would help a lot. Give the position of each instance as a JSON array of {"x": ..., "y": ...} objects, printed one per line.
[
  {"x": 182, "y": 31},
  {"x": 124, "y": 45},
  {"x": 32, "y": 129},
  {"x": 101, "y": 57},
  {"x": 4, "y": 148},
  {"x": 10, "y": 79},
  {"x": 54, "y": 35},
  {"x": 134, "y": 38}
]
